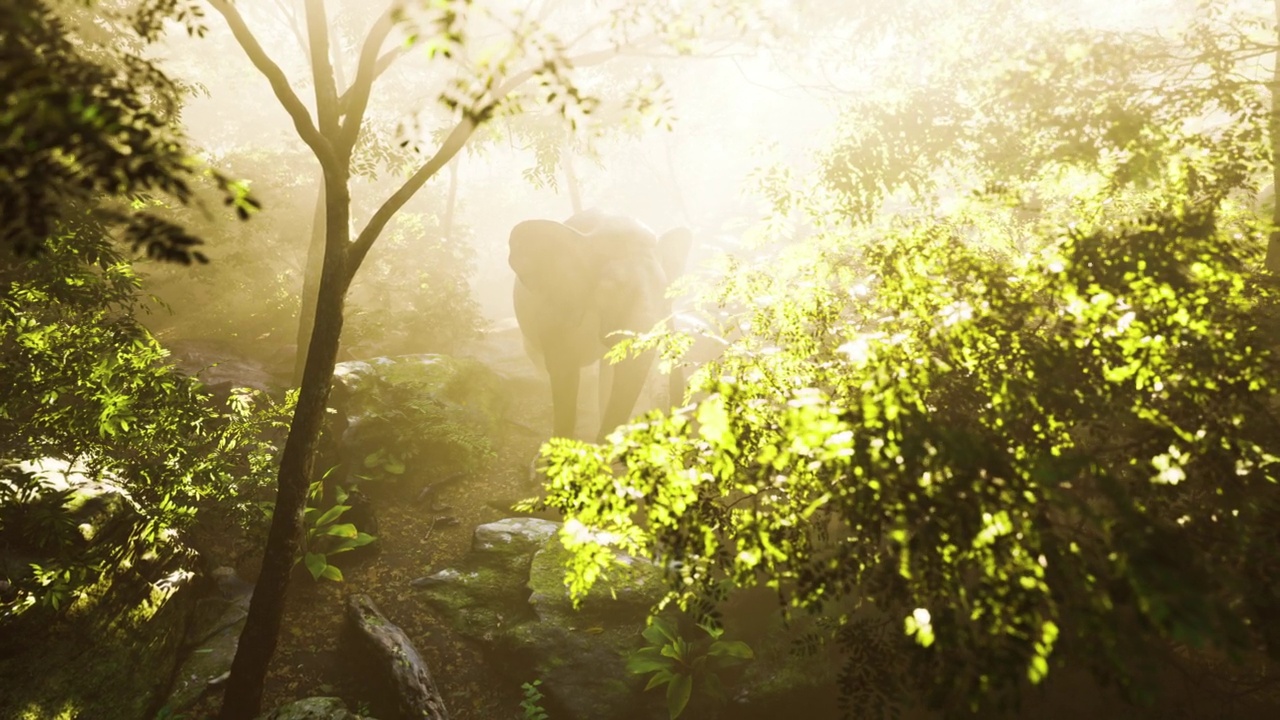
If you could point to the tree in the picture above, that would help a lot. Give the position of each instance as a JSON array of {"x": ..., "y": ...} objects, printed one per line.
[
  {"x": 1027, "y": 435},
  {"x": 486, "y": 87},
  {"x": 91, "y": 122},
  {"x": 90, "y": 128}
]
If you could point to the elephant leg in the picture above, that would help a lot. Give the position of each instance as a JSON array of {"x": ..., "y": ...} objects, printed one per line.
[
  {"x": 628, "y": 380},
  {"x": 565, "y": 378},
  {"x": 604, "y": 387}
]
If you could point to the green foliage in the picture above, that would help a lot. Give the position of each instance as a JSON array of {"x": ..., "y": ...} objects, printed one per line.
[
  {"x": 90, "y": 121},
  {"x": 1032, "y": 434},
  {"x": 684, "y": 665},
  {"x": 531, "y": 704},
  {"x": 422, "y": 413},
  {"x": 413, "y": 296},
  {"x": 1012, "y": 454},
  {"x": 326, "y": 536},
  {"x": 85, "y": 381}
]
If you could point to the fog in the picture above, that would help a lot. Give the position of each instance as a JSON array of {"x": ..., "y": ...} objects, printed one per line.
[{"x": 731, "y": 114}]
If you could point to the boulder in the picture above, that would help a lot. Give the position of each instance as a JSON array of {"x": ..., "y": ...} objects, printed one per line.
[
  {"x": 212, "y": 640},
  {"x": 84, "y": 658},
  {"x": 386, "y": 655},
  {"x": 412, "y": 416},
  {"x": 510, "y": 597}
]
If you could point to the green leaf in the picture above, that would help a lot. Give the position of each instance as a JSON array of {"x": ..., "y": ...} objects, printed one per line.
[
  {"x": 344, "y": 530},
  {"x": 659, "y": 677},
  {"x": 731, "y": 648},
  {"x": 316, "y": 563},
  {"x": 678, "y": 693},
  {"x": 331, "y": 573},
  {"x": 331, "y": 514},
  {"x": 647, "y": 660},
  {"x": 659, "y": 631}
]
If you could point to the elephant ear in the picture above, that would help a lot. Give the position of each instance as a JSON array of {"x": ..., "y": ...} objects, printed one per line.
[
  {"x": 552, "y": 260},
  {"x": 673, "y": 251}
]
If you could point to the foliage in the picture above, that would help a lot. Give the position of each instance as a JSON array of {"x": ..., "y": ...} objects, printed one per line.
[
  {"x": 683, "y": 665},
  {"x": 1015, "y": 456},
  {"x": 415, "y": 294},
  {"x": 326, "y": 536},
  {"x": 531, "y": 704},
  {"x": 89, "y": 122},
  {"x": 436, "y": 413},
  {"x": 86, "y": 382},
  {"x": 1031, "y": 416}
]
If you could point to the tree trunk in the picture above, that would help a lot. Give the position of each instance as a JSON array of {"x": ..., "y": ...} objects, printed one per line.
[
  {"x": 243, "y": 697},
  {"x": 310, "y": 286},
  {"x": 1273, "y": 246},
  {"x": 446, "y": 223}
]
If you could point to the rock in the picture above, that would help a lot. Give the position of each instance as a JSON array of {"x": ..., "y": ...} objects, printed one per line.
[
  {"x": 313, "y": 708},
  {"x": 212, "y": 640},
  {"x": 132, "y": 616},
  {"x": 509, "y": 595},
  {"x": 383, "y": 651},
  {"x": 519, "y": 536},
  {"x": 412, "y": 416}
]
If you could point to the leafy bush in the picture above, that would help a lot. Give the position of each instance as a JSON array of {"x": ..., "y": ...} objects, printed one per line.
[
  {"x": 86, "y": 382},
  {"x": 418, "y": 412},
  {"x": 1026, "y": 459},
  {"x": 326, "y": 536},
  {"x": 684, "y": 665},
  {"x": 531, "y": 704}
]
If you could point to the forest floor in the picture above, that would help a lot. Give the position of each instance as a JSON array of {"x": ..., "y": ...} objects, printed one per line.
[{"x": 413, "y": 544}]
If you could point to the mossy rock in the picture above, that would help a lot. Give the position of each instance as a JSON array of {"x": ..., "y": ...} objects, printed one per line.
[
  {"x": 109, "y": 654},
  {"x": 415, "y": 416}
]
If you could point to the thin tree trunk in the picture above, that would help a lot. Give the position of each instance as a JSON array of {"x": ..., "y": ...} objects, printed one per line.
[
  {"x": 1273, "y": 246},
  {"x": 310, "y": 286},
  {"x": 332, "y": 140},
  {"x": 243, "y": 698},
  {"x": 446, "y": 223}
]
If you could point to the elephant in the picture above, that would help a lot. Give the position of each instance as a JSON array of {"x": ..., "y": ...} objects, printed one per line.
[{"x": 577, "y": 284}]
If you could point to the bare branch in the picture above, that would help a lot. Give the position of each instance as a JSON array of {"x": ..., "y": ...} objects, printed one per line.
[
  {"x": 322, "y": 71},
  {"x": 386, "y": 61},
  {"x": 292, "y": 17},
  {"x": 356, "y": 99},
  {"x": 456, "y": 139},
  {"x": 279, "y": 83}
]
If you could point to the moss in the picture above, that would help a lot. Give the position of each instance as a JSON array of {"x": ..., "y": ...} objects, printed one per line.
[{"x": 112, "y": 659}]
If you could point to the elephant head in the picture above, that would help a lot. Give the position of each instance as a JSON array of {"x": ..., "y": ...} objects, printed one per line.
[{"x": 577, "y": 284}]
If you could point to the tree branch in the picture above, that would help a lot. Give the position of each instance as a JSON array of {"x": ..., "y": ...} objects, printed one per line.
[
  {"x": 456, "y": 139},
  {"x": 452, "y": 144},
  {"x": 386, "y": 61},
  {"x": 322, "y": 72},
  {"x": 356, "y": 99},
  {"x": 279, "y": 83}
]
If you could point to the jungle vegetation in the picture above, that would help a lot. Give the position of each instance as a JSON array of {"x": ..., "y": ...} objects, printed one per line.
[{"x": 996, "y": 389}]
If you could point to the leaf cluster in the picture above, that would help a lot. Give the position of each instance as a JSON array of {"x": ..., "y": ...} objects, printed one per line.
[
  {"x": 82, "y": 125},
  {"x": 681, "y": 664}
]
